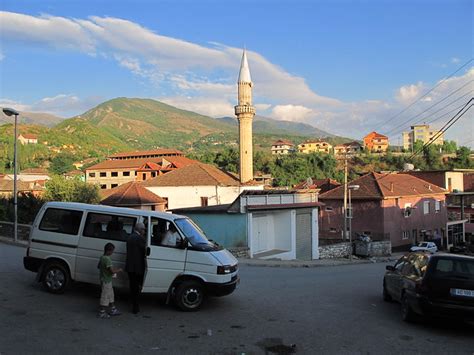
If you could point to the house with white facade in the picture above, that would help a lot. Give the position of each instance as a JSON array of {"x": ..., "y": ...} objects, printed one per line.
[
  {"x": 197, "y": 185},
  {"x": 268, "y": 224}
]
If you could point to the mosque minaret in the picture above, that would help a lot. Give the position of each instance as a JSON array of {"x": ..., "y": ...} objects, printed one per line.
[{"x": 245, "y": 113}]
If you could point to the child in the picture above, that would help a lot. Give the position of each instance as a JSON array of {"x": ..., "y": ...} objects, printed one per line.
[{"x": 106, "y": 274}]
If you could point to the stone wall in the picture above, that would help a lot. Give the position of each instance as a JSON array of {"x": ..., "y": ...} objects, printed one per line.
[
  {"x": 240, "y": 252},
  {"x": 383, "y": 248},
  {"x": 340, "y": 250}
]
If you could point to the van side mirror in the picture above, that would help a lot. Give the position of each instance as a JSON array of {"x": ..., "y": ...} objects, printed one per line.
[
  {"x": 181, "y": 243},
  {"x": 390, "y": 268}
]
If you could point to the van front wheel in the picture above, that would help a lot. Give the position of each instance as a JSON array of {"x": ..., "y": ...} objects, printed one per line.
[
  {"x": 56, "y": 278},
  {"x": 189, "y": 296}
]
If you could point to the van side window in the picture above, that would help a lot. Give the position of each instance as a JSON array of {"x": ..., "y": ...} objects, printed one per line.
[
  {"x": 164, "y": 233},
  {"x": 61, "y": 221},
  {"x": 106, "y": 226}
]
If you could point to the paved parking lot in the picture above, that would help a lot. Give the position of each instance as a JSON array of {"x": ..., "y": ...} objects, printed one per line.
[{"x": 335, "y": 309}]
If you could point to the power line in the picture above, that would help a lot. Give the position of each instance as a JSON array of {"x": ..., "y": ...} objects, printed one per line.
[
  {"x": 430, "y": 107},
  {"x": 447, "y": 125},
  {"x": 442, "y": 81}
]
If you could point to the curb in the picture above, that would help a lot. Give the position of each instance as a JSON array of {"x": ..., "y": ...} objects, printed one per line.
[
  {"x": 10, "y": 241},
  {"x": 316, "y": 263}
]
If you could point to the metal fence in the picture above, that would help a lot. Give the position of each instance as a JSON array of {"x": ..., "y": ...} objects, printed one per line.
[{"x": 6, "y": 230}]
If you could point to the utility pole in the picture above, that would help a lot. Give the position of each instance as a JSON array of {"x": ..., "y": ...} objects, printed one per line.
[{"x": 344, "y": 234}]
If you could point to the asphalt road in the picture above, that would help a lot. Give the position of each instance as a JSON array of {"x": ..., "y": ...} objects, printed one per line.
[{"x": 333, "y": 310}]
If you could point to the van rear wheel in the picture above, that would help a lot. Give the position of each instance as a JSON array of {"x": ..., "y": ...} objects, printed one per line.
[
  {"x": 56, "y": 278},
  {"x": 189, "y": 296}
]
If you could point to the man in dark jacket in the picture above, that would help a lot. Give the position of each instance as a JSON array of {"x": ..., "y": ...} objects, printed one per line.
[{"x": 135, "y": 263}]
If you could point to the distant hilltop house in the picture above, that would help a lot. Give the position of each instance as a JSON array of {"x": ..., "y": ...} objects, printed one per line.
[
  {"x": 30, "y": 175},
  {"x": 198, "y": 185},
  {"x": 314, "y": 146},
  {"x": 376, "y": 142},
  {"x": 351, "y": 148},
  {"x": 421, "y": 133},
  {"x": 282, "y": 146},
  {"x": 28, "y": 138},
  {"x": 121, "y": 168}
]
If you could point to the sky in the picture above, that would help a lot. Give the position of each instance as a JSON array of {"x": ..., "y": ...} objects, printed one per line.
[{"x": 346, "y": 67}]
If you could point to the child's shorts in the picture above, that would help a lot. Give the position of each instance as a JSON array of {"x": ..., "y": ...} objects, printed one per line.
[{"x": 107, "y": 294}]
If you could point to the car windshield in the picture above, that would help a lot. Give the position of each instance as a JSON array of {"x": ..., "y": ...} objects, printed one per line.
[
  {"x": 195, "y": 235},
  {"x": 424, "y": 245}
]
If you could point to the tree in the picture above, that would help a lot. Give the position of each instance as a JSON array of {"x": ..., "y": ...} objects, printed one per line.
[
  {"x": 449, "y": 147},
  {"x": 71, "y": 190},
  {"x": 62, "y": 163},
  {"x": 463, "y": 159}
]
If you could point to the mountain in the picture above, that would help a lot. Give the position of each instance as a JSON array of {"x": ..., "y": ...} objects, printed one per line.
[
  {"x": 133, "y": 124},
  {"x": 34, "y": 118},
  {"x": 266, "y": 125}
]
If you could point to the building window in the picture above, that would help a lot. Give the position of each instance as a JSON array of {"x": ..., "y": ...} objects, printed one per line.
[
  {"x": 166, "y": 203},
  {"x": 407, "y": 210},
  {"x": 426, "y": 207},
  {"x": 471, "y": 218},
  {"x": 91, "y": 174},
  {"x": 204, "y": 201},
  {"x": 405, "y": 235},
  {"x": 103, "y": 186},
  {"x": 328, "y": 208},
  {"x": 103, "y": 174},
  {"x": 144, "y": 176},
  {"x": 437, "y": 206},
  {"x": 114, "y": 174},
  {"x": 126, "y": 173},
  {"x": 113, "y": 185},
  {"x": 332, "y": 230}
]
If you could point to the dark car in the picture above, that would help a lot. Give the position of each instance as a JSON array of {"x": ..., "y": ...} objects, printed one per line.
[{"x": 426, "y": 284}]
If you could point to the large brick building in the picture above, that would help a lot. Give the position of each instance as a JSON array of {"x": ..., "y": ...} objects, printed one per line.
[
  {"x": 397, "y": 207},
  {"x": 121, "y": 168}
]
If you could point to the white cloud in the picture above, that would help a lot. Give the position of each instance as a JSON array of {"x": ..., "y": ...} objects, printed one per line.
[
  {"x": 455, "y": 60},
  {"x": 409, "y": 93},
  {"x": 14, "y": 104},
  {"x": 296, "y": 113},
  {"x": 205, "y": 106},
  {"x": 203, "y": 78}
]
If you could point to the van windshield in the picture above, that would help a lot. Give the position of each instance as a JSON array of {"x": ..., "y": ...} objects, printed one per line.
[{"x": 195, "y": 235}]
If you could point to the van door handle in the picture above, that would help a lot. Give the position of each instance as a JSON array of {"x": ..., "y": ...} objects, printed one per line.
[{"x": 148, "y": 251}]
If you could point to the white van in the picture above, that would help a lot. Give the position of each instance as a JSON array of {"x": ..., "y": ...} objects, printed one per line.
[{"x": 67, "y": 240}]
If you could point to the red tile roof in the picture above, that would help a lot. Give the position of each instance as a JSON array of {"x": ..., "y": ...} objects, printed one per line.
[
  {"x": 323, "y": 184},
  {"x": 137, "y": 163},
  {"x": 381, "y": 186},
  {"x": 282, "y": 142},
  {"x": 29, "y": 136},
  {"x": 146, "y": 153},
  {"x": 199, "y": 174},
  {"x": 132, "y": 194}
]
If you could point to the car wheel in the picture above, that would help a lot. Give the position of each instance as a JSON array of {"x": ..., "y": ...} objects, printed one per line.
[
  {"x": 56, "y": 278},
  {"x": 408, "y": 315},
  {"x": 386, "y": 295},
  {"x": 189, "y": 296}
]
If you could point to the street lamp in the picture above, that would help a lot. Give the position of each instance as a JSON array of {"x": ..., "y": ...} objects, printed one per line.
[
  {"x": 12, "y": 112},
  {"x": 351, "y": 188}
]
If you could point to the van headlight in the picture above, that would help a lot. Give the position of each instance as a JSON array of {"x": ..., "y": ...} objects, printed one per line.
[{"x": 226, "y": 269}]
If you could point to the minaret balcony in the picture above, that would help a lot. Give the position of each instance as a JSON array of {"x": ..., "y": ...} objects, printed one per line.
[{"x": 244, "y": 109}]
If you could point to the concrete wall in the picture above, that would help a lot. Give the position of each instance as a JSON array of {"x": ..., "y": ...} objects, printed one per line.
[
  {"x": 229, "y": 230},
  {"x": 190, "y": 196}
]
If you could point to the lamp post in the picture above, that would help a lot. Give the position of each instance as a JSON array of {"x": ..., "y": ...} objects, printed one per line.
[
  {"x": 351, "y": 188},
  {"x": 12, "y": 112}
]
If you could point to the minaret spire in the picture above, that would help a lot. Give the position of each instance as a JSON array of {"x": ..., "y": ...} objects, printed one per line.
[{"x": 245, "y": 113}]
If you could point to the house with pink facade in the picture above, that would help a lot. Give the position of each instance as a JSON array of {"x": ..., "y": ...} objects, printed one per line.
[{"x": 397, "y": 207}]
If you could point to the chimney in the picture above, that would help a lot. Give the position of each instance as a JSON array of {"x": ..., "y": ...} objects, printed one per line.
[{"x": 391, "y": 187}]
